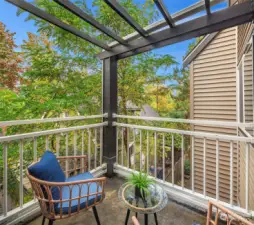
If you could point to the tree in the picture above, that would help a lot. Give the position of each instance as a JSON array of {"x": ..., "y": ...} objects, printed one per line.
[
  {"x": 10, "y": 60},
  {"x": 133, "y": 73},
  {"x": 181, "y": 92},
  {"x": 55, "y": 83}
]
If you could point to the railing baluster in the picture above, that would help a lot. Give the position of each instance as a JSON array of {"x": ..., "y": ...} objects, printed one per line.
[
  {"x": 247, "y": 149},
  {"x": 57, "y": 144},
  {"x": 101, "y": 144},
  {"x": 147, "y": 152},
  {"x": 192, "y": 163},
  {"x": 231, "y": 172},
  {"x": 35, "y": 148},
  {"x": 122, "y": 146},
  {"x": 217, "y": 169},
  {"x": 128, "y": 150},
  {"x": 134, "y": 149},
  {"x": 140, "y": 154},
  {"x": 173, "y": 160},
  {"x": 117, "y": 145},
  {"x": 155, "y": 154},
  {"x": 21, "y": 193},
  {"x": 67, "y": 153},
  {"x": 204, "y": 168},
  {"x": 82, "y": 150},
  {"x": 182, "y": 153},
  {"x": 47, "y": 143},
  {"x": 5, "y": 185},
  {"x": 82, "y": 144},
  {"x": 89, "y": 149},
  {"x": 95, "y": 148},
  {"x": 163, "y": 158},
  {"x": 75, "y": 143}
]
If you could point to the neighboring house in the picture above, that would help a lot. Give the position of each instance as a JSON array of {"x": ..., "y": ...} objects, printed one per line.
[
  {"x": 145, "y": 110},
  {"x": 221, "y": 77}
]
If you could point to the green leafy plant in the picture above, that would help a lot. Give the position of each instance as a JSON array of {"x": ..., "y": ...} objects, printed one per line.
[
  {"x": 187, "y": 167},
  {"x": 140, "y": 181}
]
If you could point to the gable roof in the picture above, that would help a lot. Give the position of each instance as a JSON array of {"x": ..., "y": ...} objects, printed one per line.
[
  {"x": 147, "y": 110},
  {"x": 198, "y": 49}
]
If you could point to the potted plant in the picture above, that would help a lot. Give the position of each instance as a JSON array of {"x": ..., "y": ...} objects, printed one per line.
[{"x": 140, "y": 181}]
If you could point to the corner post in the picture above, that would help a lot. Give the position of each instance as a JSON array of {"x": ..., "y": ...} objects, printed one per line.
[{"x": 109, "y": 107}]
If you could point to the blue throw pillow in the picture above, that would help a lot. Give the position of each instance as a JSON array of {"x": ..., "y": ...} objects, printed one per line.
[{"x": 48, "y": 169}]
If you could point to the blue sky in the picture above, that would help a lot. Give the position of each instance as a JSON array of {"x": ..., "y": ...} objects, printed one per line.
[{"x": 18, "y": 24}]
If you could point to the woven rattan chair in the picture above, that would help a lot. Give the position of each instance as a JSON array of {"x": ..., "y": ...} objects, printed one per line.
[
  {"x": 75, "y": 195},
  {"x": 229, "y": 216}
]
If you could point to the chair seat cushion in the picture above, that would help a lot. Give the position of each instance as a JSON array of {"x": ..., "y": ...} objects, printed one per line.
[
  {"x": 85, "y": 201},
  {"x": 48, "y": 169}
]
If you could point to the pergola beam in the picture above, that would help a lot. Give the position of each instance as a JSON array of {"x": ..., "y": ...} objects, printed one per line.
[
  {"x": 89, "y": 19},
  {"x": 125, "y": 15},
  {"x": 165, "y": 13},
  {"x": 232, "y": 16},
  {"x": 182, "y": 14},
  {"x": 207, "y": 7},
  {"x": 53, "y": 20}
]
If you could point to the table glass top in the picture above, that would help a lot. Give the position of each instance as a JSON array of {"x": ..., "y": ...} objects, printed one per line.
[{"x": 151, "y": 201}]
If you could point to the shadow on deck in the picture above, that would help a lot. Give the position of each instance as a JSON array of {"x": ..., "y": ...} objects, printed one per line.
[{"x": 112, "y": 212}]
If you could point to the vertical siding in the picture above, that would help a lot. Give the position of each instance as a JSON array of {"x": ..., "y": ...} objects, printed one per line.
[{"x": 214, "y": 98}]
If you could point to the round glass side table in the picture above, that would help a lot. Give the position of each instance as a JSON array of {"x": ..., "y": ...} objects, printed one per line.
[{"x": 150, "y": 202}]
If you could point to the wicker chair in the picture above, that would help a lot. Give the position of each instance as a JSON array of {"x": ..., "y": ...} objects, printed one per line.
[
  {"x": 77, "y": 199},
  {"x": 229, "y": 216}
]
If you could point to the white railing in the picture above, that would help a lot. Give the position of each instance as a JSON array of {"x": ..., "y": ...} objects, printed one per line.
[
  {"x": 49, "y": 120},
  {"x": 147, "y": 148},
  {"x": 21, "y": 150}
]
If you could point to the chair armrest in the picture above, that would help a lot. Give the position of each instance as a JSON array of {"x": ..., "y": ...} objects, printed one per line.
[{"x": 72, "y": 165}]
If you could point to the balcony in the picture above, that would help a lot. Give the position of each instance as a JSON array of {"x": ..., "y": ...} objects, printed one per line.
[{"x": 191, "y": 166}]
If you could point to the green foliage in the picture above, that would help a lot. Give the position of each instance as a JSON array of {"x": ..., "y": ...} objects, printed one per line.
[
  {"x": 187, "y": 168},
  {"x": 181, "y": 91},
  {"x": 141, "y": 181}
]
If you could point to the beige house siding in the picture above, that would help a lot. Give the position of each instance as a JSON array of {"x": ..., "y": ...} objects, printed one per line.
[
  {"x": 242, "y": 186},
  {"x": 248, "y": 104},
  {"x": 243, "y": 35},
  {"x": 213, "y": 75},
  {"x": 248, "y": 113},
  {"x": 244, "y": 32}
]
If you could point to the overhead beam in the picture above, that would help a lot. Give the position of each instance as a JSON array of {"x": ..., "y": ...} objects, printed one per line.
[
  {"x": 232, "y": 16},
  {"x": 182, "y": 14},
  {"x": 207, "y": 7},
  {"x": 53, "y": 20},
  {"x": 125, "y": 15},
  {"x": 89, "y": 19},
  {"x": 165, "y": 13}
]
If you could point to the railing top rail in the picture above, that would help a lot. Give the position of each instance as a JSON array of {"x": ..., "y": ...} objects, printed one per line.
[
  {"x": 48, "y": 120},
  {"x": 194, "y": 122},
  {"x": 190, "y": 133},
  {"x": 49, "y": 132}
]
